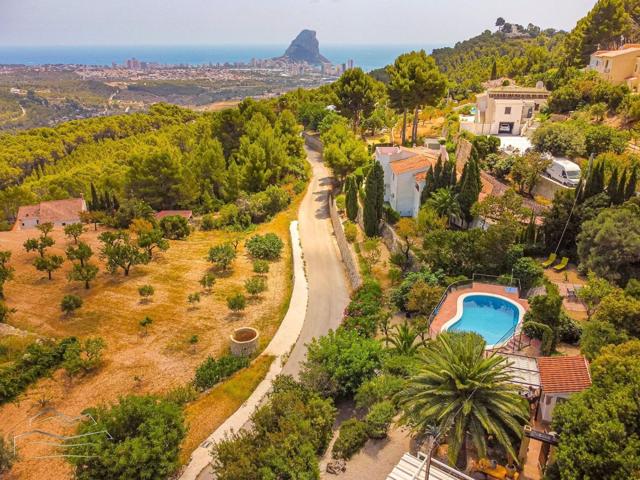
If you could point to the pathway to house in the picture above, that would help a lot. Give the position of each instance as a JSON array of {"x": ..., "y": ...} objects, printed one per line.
[{"x": 328, "y": 296}]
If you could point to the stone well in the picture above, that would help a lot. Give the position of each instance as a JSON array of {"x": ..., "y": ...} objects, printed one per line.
[{"x": 244, "y": 341}]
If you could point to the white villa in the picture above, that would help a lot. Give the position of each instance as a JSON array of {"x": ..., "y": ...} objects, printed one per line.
[
  {"x": 506, "y": 110},
  {"x": 404, "y": 176}
]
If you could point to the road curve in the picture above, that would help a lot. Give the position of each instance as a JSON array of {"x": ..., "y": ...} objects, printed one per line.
[{"x": 328, "y": 286}]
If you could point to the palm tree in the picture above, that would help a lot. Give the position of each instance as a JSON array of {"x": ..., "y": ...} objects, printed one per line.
[
  {"x": 404, "y": 339},
  {"x": 445, "y": 202},
  {"x": 463, "y": 392}
]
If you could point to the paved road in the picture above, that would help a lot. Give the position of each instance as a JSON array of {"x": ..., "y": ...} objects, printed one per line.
[{"x": 328, "y": 286}]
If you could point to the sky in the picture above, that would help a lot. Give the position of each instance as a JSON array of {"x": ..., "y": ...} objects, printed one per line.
[{"x": 211, "y": 22}]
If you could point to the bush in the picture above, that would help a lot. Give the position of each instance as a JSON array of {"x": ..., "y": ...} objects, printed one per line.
[
  {"x": 70, "y": 303},
  {"x": 341, "y": 202},
  {"x": 260, "y": 266},
  {"x": 222, "y": 255},
  {"x": 212, "y": 371},
  {"x": 7, "y": 456},
  {"x": 229, "y": 216},
  {"x": 378, "y": 389},
  {"x": 569, "y": 330},
  {"x": 263, "y": 205},
  {"x": 352, "y": 437},
  {"x": 236, "y": 302},
  {"x": 255, "y": 285},
  {"x": 83, "y": 357},
  {"x": 38, "y": 361},
  {"x": 379, "y": 418},
  {"x": 146, "y": 291},
  {"x": 265, "y": 247},
  {"x": 175, "y": 227},
  {"x": 340, "y": 361},
  {"x": 5, "y": 311},
  {"x": 208, "y": 222},
  {"x": 193, "y": 298},
  {"x": 146, "y": 433},
  {"x": 182, "y": 395},
  {"x": 207, "y": 281},
  {"x": 390, "y": 215},
  {"x": 350, "y": 231},
  {"x": 529, "y": 271}
]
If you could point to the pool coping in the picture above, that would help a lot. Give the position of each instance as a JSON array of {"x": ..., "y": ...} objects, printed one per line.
[{"x": 459, "y": 310}]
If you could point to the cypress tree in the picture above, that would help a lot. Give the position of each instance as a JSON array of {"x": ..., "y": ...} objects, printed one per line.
[
  {"x": 115, "y": 202},
  {"x": 469, "y": 189},
  {"x": 374, "y": 200},
  {"x": 437, "y": 174},
  {"x": 612, "y": 187},
  {"x": 95, "y": 202},
  {"x": 453, "y": 178},
  {"x": 352, "y": 198},
  {"x": 618, "y": 199},
  {"x": 445, "y": 176},
  {"x": 630, "y": 189},
  {"x": 428, "y": 186},
  {"x": 494, "y": 70}
]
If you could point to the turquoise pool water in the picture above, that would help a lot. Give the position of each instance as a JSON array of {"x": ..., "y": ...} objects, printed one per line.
[{"x": 494, "y": 318}]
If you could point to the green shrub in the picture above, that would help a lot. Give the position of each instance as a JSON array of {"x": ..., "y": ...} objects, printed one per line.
[
  {"x": 212, "y": 371},
  {"x": 265, "y": 247},
  {"x": 569, "y": 330},
  {"x": 83, "y": 357},
  {"x": 378, "y": 389},
  {"x": 70, "y": 303},
  {"x": 222, "y": 255},
  {"x": 182, "y": 395},
  {"x": 350, "y": 231},
  {"x": 7, "y": 455},
  {"x": 229, "y": 217},
  {"x": 193, "y": 298},
  {"x": 390, "y": 215},
  {"x": 146, "y": 433},
  {"x": 341, "y": 202},
  {"x": 146, "y": 291},
  {"x": 352, "y": 437},
  {"x": 255, "y": 285},
  {"x": 236, "y": 302},
  {"x": 175, "y": 227},
  {"x": 207, "y": 281},
  {"x": 208, "y": 222},
  {"x": 5, "y": 311},
  {"x": 260, "y": 266},
  {"x": 379, "y": 418},
  {"x": 38, "y": 361},
  {"x": 263, "y": 205}
]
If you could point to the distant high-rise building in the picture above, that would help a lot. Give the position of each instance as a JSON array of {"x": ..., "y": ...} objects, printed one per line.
[{"x": 350, "y": 64}]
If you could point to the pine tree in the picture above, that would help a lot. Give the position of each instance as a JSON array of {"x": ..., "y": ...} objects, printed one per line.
[
  {"x": 352, "y": 198},
  {"x": 630, "y": 189},
  {"x": 374, "y": 200},
  {"x": 612, "y": 187},
  {"x": 233, "y": 182}
]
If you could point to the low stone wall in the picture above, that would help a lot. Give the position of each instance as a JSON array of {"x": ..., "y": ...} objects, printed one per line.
[
  {"x": 347, "y": 257},
  {"x": 313, "y": 141},
  {"x": 547, "y": 188},
  {"x": 395, "y": 244}
]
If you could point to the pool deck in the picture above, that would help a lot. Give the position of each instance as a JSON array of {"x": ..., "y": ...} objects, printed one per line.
[{"x": 449, "y": 307}]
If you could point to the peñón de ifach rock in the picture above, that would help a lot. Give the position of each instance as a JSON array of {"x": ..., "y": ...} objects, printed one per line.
[{"x": 305, "y": 48}]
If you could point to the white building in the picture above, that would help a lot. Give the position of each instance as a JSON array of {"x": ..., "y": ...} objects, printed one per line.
[
  {"x": 506, "y": 110},
  {"x": 404, "y": 177},
  {"x": 58, "y": 212}
]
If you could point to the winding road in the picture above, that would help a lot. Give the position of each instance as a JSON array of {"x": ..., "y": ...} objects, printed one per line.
[
  {"x": 328, "y": 290},
  {"x": 328, "y": 285}
]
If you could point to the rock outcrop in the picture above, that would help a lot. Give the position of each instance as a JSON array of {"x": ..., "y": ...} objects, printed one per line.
[{"x": 305, "y": 48}]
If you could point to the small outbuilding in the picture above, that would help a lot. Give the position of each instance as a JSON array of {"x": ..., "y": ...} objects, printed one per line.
[{"x": 561, "y": 377}]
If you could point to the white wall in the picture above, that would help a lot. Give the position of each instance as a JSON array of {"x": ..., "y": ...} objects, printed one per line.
[
  {"x": 403, "y": 193},
  {"x": 548, "y": 403}
]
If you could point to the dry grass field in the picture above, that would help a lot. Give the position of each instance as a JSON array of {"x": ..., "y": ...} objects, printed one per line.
[{"x": 135, "y": 363}]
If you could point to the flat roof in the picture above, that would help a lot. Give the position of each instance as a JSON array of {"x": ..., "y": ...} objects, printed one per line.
[
  {"x": 617, "y": 53},
  {"x": 410, "y": 467}
]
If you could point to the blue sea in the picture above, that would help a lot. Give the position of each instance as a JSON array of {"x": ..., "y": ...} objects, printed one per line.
[{"x": 367, "y": 57}]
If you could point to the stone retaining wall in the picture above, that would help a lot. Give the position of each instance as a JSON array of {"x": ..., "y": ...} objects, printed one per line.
[{"x": 347, "y": 257}]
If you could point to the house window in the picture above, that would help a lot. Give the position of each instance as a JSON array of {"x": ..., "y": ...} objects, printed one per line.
[{"x": 507, "y": 110}]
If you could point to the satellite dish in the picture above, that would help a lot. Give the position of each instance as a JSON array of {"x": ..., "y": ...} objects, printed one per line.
[{"x": 540, "y": 84}]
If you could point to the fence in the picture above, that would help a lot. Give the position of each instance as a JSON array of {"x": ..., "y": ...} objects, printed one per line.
[
  {"x": 347, "y": 257},
  {"x": 459, "y": 285}
]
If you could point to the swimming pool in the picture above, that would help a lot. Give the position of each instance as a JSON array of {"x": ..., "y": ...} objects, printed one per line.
[{"x": 493, "y": 317}]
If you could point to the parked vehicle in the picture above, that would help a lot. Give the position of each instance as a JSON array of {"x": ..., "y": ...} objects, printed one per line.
[{"x": 564, "y": 171}]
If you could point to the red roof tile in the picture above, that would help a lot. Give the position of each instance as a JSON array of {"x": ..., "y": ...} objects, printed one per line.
[
  {"x": 564, "y": 374},
  {"x": 170, "y": 213},
  {"x": 54, "y": 211},
  {"x": 421, "y": 177},
  {"x": 415, "y": 163}
]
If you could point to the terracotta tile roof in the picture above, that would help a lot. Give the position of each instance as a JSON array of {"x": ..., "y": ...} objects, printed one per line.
[
  {"x": 170, "y": 213},
  {"x": 54, "y": 211},
  {"x": 414, "y": 163},
  {"x": 421, "y": 177},
  {"x": 564, "y": 374}
]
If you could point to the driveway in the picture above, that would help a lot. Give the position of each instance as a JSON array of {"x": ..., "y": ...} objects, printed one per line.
[{"x": 328, "y": 286}]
